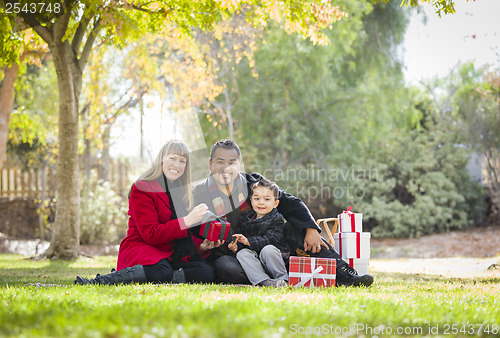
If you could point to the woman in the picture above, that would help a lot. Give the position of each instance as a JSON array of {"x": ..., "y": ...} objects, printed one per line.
[{"x": 159, "y": 246}]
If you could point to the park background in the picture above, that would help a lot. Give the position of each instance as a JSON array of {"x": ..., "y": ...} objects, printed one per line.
[
  {"x": 341, "y": 106},
  {"x": 404, "y": 130}
]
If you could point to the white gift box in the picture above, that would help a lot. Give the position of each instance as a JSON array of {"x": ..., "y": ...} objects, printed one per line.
[
  {"x": 352, "y": 244},
  {"x": 361, "y": 265},
  {"x": 350, "y": 222}
]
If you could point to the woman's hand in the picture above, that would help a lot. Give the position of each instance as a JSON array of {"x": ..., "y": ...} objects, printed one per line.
[
  {"x": 196, "y": 215},
  {"x": 242, "y": 239},
  {"x": 207, "y": 245}
]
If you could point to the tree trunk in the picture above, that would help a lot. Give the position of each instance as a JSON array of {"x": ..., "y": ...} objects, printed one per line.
[
  {"x": 105, "y": 156},
  {"x": 87, "y": 159},
  {"x": 6, "y": 107},
  {"x": 87, "y": 154},
  {"x": 141, "y": 105},
  {"x": 41, "y": 204},
  {"x": 65, "y": 243}
]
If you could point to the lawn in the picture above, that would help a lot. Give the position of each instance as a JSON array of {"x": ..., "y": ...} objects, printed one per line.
[{"x": 412, "y": 305}]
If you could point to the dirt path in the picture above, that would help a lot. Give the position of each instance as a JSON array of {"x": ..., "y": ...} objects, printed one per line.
[
  {"x": 474, "y": 242},
  {"x": 459, "y": 267},
  {"x": 462, "y": 254}
]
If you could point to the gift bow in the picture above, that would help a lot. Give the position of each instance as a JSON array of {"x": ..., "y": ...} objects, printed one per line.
[
  {"x": 310, "y": 276},
  {"x": 349, "y": 213}
]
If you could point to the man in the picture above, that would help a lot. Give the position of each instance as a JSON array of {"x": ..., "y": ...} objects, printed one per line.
[{"x": 226, "y": 193}]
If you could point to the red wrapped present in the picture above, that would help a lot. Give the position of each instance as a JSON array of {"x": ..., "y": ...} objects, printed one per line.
[
  {"x": 215, "y": 229},
  {"x": 312, "y": 272},
  {"x": 350, "y": 221}
]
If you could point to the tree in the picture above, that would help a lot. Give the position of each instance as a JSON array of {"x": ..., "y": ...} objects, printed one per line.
[
  {"x": 309, "y": 94},
  {"x": 105, "y": 102},
  {"x": 71, "y": 34},
  {"x": 16, "y": 48},
  {"x": 32, "y": 137},
  {"x": 440, "y": 6},
  {"x": 475, "y": 111}
]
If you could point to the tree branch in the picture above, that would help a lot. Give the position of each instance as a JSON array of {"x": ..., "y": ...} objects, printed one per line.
[
  {"x": 61, "y": 25},
  {"x": 87, "y": 49},
  {"x": 44, "y": 32},
  {"x": 79, "y": 34},
  {"x": 85, "y": 109},
  {"x": 129, "y": 104}
]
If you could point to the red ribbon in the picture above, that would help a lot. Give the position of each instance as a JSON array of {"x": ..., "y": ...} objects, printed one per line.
[
  {"x": 358, "y": 244},
  {"x": 351, "y": 215}
]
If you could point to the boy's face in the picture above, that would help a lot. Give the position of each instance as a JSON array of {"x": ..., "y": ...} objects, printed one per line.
[
  {"x": 263, "y": 201},
  {"x": 225, "y": 166}
]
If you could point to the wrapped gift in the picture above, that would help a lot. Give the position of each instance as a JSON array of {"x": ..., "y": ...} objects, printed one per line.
[
  {"x": 353, "y": 244},
  {"x": 350, "y": 221},
  {"x": 361, "y": 265},
  {"x": 312, "y": 272},
  {"x": 214, "y": 228}
]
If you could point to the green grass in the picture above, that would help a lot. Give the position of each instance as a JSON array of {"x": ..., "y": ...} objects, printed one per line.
[{"x": 415, "y": 303}]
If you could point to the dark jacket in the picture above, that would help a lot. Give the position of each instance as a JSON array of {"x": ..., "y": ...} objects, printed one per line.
[
  {"x": 295, "y": 212},
  {"x": 263, "y": 231}
]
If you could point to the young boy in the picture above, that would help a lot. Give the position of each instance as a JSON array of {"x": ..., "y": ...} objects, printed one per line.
[{"x": 260, "y": 247}]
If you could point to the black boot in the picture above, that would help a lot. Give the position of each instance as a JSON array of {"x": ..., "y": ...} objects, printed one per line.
[
  {"x": 179, "y": 276},
  {"x": 133, "y": 274},
  {"x": 349, "y": 277}
]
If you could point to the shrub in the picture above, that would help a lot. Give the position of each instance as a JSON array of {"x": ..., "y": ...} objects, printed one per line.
[
  {"x": 421, "y": 187},
  {"x": 103, "y": 215}
]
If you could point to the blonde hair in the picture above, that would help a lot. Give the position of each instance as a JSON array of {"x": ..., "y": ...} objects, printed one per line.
[{"x": 175, "y": 147}]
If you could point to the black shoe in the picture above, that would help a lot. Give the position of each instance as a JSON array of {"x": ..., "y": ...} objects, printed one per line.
[
  {"x": 179, "y": 276},
  {"x": 134, "y": 274},
  {"x": 349, "y": 277},
  {"x": 83, "y": 281}
]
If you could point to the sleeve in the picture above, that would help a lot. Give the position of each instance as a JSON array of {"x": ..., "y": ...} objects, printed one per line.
[
  {"x": 273, "y": 235},
  {"x": 145, "y": 214},
  {"x": 296, "y": 212}
]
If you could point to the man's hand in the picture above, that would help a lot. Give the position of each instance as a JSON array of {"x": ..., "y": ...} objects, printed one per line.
[
  {"x": 313, "y": 241},
  {"x": 207, "y": 245}
]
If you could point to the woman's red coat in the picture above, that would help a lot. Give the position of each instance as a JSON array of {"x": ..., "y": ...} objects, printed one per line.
[{"x": 151, "y": 231}]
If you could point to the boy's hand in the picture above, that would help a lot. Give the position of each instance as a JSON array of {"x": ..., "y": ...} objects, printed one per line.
[
  {"x": 233, "y": 246},
  {"x": 242, "y": 239}
]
